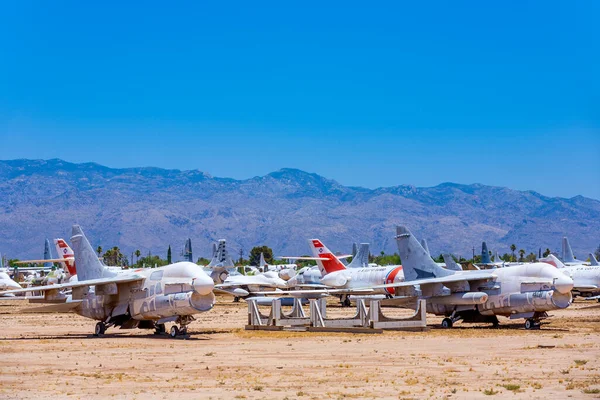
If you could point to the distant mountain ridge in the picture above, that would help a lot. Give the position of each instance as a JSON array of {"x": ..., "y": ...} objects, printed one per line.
[{"x": 149, "y": 208}]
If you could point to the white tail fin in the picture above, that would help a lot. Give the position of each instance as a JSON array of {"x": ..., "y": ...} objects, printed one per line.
[
  {"x": 221, "y": 258},
  {"x": 417, "y": 264},
  {"x": 567, "y": 253},
  {"x": 361, "y": 258},
  {"x": 64, "y": 251},
  {"x": 593, "y": 260},
  {"x": 262, "y": 263},
  {"x": 553, "y": 260},
  {"x": 451, "y": 264},
  {"x": 88, "y": 265},
  {"x": 332, "y": 263}
]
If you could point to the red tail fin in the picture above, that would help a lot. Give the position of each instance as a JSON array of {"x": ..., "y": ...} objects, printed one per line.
[
  {"x": 64, "y": 251},
  {"x": 332, "y": 263}
]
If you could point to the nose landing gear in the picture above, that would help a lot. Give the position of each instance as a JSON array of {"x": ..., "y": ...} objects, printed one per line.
[
  {"x": 100, "y": 329},
  {"x": 183, "y": 321}
]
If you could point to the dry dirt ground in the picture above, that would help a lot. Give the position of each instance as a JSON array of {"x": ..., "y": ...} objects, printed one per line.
[{"x": 55, "y": 356}]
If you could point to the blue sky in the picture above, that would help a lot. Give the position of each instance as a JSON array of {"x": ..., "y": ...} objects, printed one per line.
[{"x": 380, "y": 95}]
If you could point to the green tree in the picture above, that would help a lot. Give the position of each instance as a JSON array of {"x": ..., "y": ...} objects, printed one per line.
[
  {"x": 99, "y": 250},
  {"x": 169, "y": 255},
  {"x": 202, "y": 261},
  {"x": 531, "y": 257},
  {"x": 254, "y": 257},
  {"x": 137, "y": 253},
  {"x": 151, "y": 261},
  {"x": 513, "y": 247},
  {"x": 115, "y": 257},
  {"x": 521, "y": 255},
  {"x": 546, "y": 253},
  {"x": 597, "y": 253},
  {"x": 387, "y": 259}
]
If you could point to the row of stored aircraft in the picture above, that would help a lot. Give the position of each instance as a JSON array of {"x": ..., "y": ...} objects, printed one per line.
[{"x": 149, "y": 298}]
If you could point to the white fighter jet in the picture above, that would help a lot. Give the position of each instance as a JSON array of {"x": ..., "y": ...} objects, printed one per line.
[
  {"x": 346, "y": 279},
  {"x": 522, "y": 291},
  {"x": 141, "y": 298},
  {"x": 6, "y": 283},
  {"x": 586, "y": 278}
]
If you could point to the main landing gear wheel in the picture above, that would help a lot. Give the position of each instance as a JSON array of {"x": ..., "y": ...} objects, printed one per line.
[
  {"x": 346, "y": 302},
  {"x": 174, "y": 331},
  {"x": 447, "y": 323},
  {"x": 159, "y": 329},
  {"x": 99, "y": 329},
  {"x": 531, "y": 324}
]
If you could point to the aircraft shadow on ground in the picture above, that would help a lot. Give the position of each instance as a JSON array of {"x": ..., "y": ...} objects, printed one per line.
[
  {"x": 506, "y": 327},
  {"x": 71, "y": 336}
]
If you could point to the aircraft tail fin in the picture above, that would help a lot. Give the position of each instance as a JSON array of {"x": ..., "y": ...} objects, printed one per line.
[
  {"x": 567, "y": 252},
  {"x": 417, "y": 264},
  {"x": 593, "y": 260},
  {"x": 262, "y": 263},
  {"x": 361, "y": 259},
  {"x": 331, "y": 264},
  {"x": 451, "y": 264},
  {"x": 221, "y": 257},
  {"x": 88, "y": 265},
  {"x": 424, "y": 245},
  {"x": 47, "y": 254},
  {"x": 65, "y": 251},
  {"x": 553, "y": 260},
  {"x": 354, "y": 249},
  {"x": 485, "y": 254}
]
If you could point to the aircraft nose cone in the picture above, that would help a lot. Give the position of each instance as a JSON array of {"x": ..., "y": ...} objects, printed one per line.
[
  {"x": 203, "y": 284},
  {"x": 563, "y": 284}
]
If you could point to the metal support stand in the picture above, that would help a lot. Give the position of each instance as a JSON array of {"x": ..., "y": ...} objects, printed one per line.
[{"x": 365, "y": 320}]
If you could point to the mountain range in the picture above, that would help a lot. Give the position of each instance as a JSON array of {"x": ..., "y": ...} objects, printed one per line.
[{"x": 151, "y": 208}]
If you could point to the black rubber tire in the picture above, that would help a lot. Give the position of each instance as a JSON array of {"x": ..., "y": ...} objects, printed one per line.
[
  {"x": 99, "y": 329},
  {"x": 447, "y": 323},
  {"x": 174, "y": 331}
]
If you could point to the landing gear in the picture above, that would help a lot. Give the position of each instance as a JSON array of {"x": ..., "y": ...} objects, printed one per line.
[
  {"x": 495, "y": 322},
  {"x": 183, "y": 321},
  {"x": 447, "y": 323},
  {"x": 100, "y": 329},
  {"x": 345, "y": 301},
  {"x": 174, "y": 331},
  {"x": 531, "y": 323},
  {"x": 159, "y": 329},
  {"x": 236, "y": 299}
]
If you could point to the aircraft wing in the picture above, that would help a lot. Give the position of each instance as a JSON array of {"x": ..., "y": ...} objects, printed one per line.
[
  {"x": 316, "y": 291},
  {"x": 471, "y": 276},
  {"x": 70, "y": 285},
  {"x": 50, "y": 260},
  {"x": 311, "y": 285}
]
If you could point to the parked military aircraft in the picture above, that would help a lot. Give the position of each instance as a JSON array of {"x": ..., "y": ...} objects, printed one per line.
[
  {"x": 47, "y": 261},
  {"x": 263, "y": 266},
  {"x": 586, "y": 278},
  {"x": 336, "y": 275},
  {"x": 522, "y": 291},
  {"x": 142, "y": 298},
  {"x": 568, "y": 258},
  {"x": 6, "y": 283}
]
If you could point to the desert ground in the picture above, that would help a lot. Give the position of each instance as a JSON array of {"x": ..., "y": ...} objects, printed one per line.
[{"x": 56, "y": 356}]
